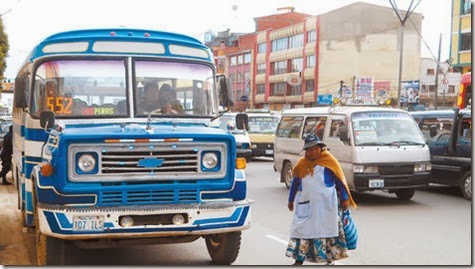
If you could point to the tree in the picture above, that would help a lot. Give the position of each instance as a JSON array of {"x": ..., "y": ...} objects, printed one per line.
[{"x": 3, "y": 51}]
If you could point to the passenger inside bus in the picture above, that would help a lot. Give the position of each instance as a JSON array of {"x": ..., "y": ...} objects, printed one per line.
[
  {"x": 151, "y": 98},
  {"x": 168, "y": 101}
]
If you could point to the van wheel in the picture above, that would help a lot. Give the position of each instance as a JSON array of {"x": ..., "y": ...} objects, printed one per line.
[
  {"x": 223, "y": 248},
  {"x": 466, "y": 185},
  {"x": 405, "y": 194},
  {"x": 286, "y": 174}
]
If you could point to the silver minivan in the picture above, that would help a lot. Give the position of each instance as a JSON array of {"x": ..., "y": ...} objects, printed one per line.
[{"x": 379, "y": 148}]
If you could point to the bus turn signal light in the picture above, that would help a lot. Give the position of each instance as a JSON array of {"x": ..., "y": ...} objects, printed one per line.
[
  {"x": 46, "y": 169},
  {"x": 240, "y": 163}
]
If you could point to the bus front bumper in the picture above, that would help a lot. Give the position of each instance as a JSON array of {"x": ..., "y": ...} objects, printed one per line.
[{"x": 144, "y": 221}]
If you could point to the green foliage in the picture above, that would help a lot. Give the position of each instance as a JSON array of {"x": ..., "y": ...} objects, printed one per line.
[{"x": 4, "y": 47}]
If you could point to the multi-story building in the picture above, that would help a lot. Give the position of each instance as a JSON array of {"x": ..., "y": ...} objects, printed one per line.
[
  {"x": 461, "y": 41},
  {"x": 448, "y": 84},
  {"x": 303, "y": 60}
]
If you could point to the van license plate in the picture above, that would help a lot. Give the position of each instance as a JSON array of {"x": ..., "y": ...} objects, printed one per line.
[
  {"x": 88, "y": 223},
  {"x": 376, "y": 183}
]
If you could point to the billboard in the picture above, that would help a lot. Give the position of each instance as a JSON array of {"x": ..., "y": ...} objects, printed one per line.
[{"x": 410, "y": 92}]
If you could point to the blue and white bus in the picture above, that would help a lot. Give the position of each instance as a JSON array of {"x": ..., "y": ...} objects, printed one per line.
[{"x": 94, "y": 167}]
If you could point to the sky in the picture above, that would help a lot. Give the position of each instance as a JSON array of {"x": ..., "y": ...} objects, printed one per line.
[{"x": 27, "y": 22}]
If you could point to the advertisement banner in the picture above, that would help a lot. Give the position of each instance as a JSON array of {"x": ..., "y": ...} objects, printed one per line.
[{"x": 410, "y": 92}]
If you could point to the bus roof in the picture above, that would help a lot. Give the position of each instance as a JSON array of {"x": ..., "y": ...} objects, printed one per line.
[{"x": 122, "y": 41}]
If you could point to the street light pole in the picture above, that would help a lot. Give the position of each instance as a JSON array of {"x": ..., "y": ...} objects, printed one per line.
[
  {"x": 437, "y": 73},
  {"x": 401, "y": 48},
  {"x": 403, "y": 21}
]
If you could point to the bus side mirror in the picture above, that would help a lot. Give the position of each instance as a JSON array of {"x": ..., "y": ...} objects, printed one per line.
[
  {"x": 225, "y": 93},
  {"x": 47, "y": 118},
  {"x": 432, "y": 131},
  {"x": 242, "y": 121}
]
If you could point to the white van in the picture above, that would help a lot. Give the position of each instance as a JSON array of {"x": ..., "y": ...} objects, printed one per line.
[{"x": 379, "y": 148}]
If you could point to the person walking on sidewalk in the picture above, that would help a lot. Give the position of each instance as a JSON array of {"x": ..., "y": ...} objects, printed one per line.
[
  {"x": 6, "y": 156},
  {"x": 318, "y": 192}
]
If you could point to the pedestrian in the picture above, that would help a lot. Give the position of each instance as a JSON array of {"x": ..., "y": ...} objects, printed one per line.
[
  {"x": 6, "y": 156},
  {"x": 319, "y": 193}
]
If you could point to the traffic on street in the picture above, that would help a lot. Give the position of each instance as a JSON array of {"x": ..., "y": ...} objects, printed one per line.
[{"x": 433, "y": 228}]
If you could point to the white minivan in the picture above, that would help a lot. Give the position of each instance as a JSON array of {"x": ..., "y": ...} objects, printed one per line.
[{"x": 379, "y": 148}]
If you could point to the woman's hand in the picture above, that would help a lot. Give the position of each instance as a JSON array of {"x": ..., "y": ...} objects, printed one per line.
[
  {"x": 345, "y": 204},
  {"x": 290, "y": 206}
]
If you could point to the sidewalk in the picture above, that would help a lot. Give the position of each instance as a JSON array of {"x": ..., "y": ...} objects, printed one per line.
[{"x": 16, "y": 247}]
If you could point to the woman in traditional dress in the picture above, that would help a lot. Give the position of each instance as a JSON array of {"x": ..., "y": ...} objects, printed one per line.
[{"x": 319, "y": 193}]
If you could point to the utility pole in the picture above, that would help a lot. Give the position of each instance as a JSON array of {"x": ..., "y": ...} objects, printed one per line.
[
  {"x": 401, "y": 41},
  {"x": 437, "y": 73}
]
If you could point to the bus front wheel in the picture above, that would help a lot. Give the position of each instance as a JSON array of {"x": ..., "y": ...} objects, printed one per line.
[{"x": 223, "y": 248}]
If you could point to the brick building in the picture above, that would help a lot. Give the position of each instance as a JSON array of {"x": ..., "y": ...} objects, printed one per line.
[{"x": 295, "y": 59}]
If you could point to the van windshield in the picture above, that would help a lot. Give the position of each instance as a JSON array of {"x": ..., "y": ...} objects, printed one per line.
[
  {"x": 263, "y": 124},
  {"x": 385, "y": 128}
]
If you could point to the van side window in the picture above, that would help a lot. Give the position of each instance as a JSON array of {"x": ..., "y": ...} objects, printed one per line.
[
  {"x": 442, "y": 125},
  {"x": 314, "y": 125},
  {"x": 289, "y": 127},
  {"x": 335, "y": 128}
]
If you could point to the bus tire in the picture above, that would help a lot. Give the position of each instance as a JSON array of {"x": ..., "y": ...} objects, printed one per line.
[
  {"x": 466, "y": 185},
  {"x": 286, "y": 174},
  {"x": 405, "y": 194},
  {"x": 49, "y": 250},
  {"x": 223, "y": 248}
]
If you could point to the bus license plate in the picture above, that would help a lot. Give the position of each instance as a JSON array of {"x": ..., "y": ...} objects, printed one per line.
[
  {"x": 376, "y": 183},
  {"x": 88, "y": 223}
]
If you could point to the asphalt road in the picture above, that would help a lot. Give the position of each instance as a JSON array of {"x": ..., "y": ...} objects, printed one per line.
[{"x": 433, "y": 228}]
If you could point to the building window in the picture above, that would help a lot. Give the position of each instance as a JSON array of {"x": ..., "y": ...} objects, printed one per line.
[
  {"x": 247, "y": 58},
  {"x": 310, "y": 85},
  {"x": 467, "y": 6},
  {"x": 261, "y": 48},
  {"x": 451, "y": 89},
  {"x": 430, "y": 71},
  {"x": 233, "y": 61},
  {"x": 311, "y": 61},
  {"x": 311, "y": 36},
  {"x": 261, "y": 68},
  {"x": 297, "y": 65},
  {"x": 261, "y": 89},
  {"x": 239, "y": 77},
  {"x": 296, "y": 41},
  {"x": 280, "y": 67},
  {"x": 239, "y": 60},
  {"x": 296, "y": 90},
  {"x": 278, "y": 89},
  {"x": 466, "y": 43},
  {"x": 280, "y": 44}
]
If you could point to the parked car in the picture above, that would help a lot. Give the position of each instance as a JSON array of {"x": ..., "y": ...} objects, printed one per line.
[
  {"x": 450, "y": 143},
  {"x": 227, "y": 122}
]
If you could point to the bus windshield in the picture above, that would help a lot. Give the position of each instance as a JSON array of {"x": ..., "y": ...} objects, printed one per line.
[
  {"x": 385, "y": 128},
  {"x": 99, "y": 89}
]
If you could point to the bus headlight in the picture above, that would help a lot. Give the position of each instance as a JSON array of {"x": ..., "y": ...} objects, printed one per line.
[
  {"x": 210, "y": 160},
  {"x": 86, "y": 163},
  {"x": 359, "y": 168}
]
